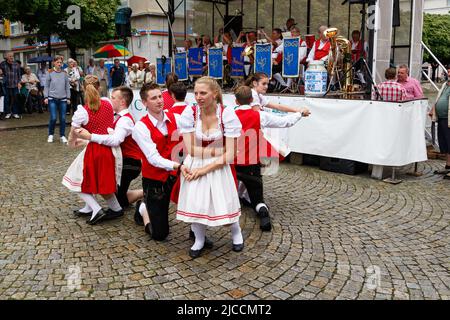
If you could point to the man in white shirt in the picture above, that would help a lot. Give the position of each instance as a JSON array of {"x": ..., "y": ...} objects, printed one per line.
[
  {"x": 321, "y": 47},
  {"x": 154, "y": 136},
  {"x": 135, "y": 77}
]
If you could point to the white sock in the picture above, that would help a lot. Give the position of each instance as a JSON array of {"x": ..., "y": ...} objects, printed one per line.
[
  {"x": 113, "y": 204},
  {"x": 236, "y": 233},
  {"x": 280, "y": 79},
  {"x": 142, "y": 209},
  {"x": 90, "y": 201},
  {"x": 200, "y": 233},
  {"x": 260, "y": 205},
  {"x": 86, "y": 209}
]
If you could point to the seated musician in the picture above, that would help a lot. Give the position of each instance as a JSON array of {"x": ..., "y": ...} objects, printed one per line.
[{"x": 321, "y": 47}]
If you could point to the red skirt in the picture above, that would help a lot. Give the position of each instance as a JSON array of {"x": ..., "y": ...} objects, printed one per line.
[{"x": 99, "y": 176}]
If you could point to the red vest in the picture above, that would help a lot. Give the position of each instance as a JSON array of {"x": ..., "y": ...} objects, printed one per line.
[
  {"x": 164, "y": 145},
  {"x": 356, "y": 53},
  {"x": 320, "y": 53},
  {"x": 129, "y": 147},
  {"x": 101, "y": 120},
  {"x": 251, "y": 144}
]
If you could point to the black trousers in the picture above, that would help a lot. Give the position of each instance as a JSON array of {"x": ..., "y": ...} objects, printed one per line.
[
  {"x": 157, "y": 199},
  {"x": 252, "y": 179},
  {"x": 130, "y": 171}
]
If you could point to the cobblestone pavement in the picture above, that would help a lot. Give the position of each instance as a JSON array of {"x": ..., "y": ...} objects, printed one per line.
[{"x": 334, "y": 237}]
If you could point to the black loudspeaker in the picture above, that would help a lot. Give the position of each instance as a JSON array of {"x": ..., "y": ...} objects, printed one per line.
[
  {"x": 343, "y": 166},
  {"x": 235, "y": 24},
  {"x": 396, "y": 14}
]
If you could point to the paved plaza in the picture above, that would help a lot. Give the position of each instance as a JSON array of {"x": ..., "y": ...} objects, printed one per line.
[{"x": 334, "y": 237}]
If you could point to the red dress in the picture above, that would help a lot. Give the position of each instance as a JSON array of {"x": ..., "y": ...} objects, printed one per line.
[
  {"x": 168, "y": 100},
  {"x": 99, "y": 175}
]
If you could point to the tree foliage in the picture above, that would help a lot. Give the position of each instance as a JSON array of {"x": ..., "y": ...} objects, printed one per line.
[
  {"x": 437, "y": 37},
  {"x": 48, "y": 16}
]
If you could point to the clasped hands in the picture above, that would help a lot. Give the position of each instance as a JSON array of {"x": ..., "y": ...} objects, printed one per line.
[{"x": 194, "y": 174}]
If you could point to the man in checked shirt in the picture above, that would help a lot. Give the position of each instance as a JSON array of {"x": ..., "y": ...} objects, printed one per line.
[{"x": 390, "y": 90}]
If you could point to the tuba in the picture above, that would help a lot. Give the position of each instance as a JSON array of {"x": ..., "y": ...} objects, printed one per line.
[{"x": 341, "y": 51}]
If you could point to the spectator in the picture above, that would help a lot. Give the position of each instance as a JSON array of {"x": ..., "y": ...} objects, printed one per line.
[
  {"x": 57, "y": 96},
  {"x": 411, "y": 85},
  {"x": 141, "y": 65},
  {"x": 440, "y": 113},
  {"x": 117, "y": 74},
  {"x": 135, "y": 77},
  {"x": 101, "y": 72},
  {"x": 11, "y": 84},
  {"x": 30, "y": 83},
  {"x": 42, "y": 75},
  {"x": 149, "y": 72},
  {"x": 91, "y": 67},
  {"x": 390, "y": 90},
  {"x": 74, "y": 73}
]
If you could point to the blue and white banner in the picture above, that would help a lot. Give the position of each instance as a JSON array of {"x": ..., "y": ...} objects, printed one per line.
[
  {"x": 291, "y": 63},
  {"x": 162, "y": 69},
  {"x": 263, "y": 58},
  {"x": 237, "y": 62},
  {"x": 215, "y": 63},
  {"x": 181, "y": 66},
  {"x": 195, "y": 56}
]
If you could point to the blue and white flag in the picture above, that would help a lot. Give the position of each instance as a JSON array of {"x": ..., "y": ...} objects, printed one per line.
[
  {"x": 237, "y": 62},
  {"x": 181, "y": 66},
  {"x": 215, "y": 63},
  {"x": 162, "y": 69},
  {"x": 195, "y": 56},
  {"x": 291, "y": 57},
  {"x": 263, "y": 58}
]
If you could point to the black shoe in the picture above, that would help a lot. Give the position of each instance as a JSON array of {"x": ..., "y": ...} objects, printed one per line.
[
  {"x": 98, "y": 217},
  {"x": 447, "y": 177},
  {"x": 79, "y": 213},
  {"x": 264, "y": 222},
  {"x": 195, "y": 253},
  {"x": 137, "y": 215},
  {"x": 148, "y": 228},
  {"x": 208, "y": 243},
  {"x": 238, "y": 247},
  {"x": 111, "y": 214}
]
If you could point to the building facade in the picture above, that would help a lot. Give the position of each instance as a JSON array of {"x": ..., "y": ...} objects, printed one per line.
[{"x": 437, "y": 6}]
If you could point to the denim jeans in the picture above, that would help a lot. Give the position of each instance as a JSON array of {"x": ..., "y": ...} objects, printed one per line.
[
  {"x": 56, "y": 105},
  {"x": 10, "y": 100}
]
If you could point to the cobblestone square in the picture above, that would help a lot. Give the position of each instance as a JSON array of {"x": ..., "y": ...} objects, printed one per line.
[{"x": 334, "y": 237}]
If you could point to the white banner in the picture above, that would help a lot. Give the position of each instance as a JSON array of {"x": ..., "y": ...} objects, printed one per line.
[{"x": 374, "y": 132}]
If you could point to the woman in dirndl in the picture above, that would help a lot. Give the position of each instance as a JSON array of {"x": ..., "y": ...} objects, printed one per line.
[
  {"x": 95, "y": 170},
  {"x": 208, "y": 194}
]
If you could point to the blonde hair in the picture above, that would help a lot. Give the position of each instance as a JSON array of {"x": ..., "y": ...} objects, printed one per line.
[
  {"x": 92, "y": 96},
  {"x": 213, "y": 85}
]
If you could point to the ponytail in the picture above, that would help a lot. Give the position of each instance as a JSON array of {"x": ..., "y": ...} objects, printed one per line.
[
  {"x": 92, "y": 96},
  {"x": 255, "y": 77}
]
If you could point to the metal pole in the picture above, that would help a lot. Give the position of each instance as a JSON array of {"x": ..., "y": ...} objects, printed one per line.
[
  {"x": 434, "y": 57},
  {"x": 308, "y": 17}
]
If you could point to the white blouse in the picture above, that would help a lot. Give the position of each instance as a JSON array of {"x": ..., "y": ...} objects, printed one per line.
[
  {"x": 231, "y": 124},
  {"x": 258, "y": 100}
]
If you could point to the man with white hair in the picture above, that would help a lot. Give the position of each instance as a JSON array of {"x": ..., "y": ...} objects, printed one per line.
[
  {"x": 149, "y": 72},
  {"x": 321, "y": 47},
  {"x": 11, "y": 83},
  {"x": 102, "y": 74},
  {"x": 136, "y": 77},
  {"x": 74, "y": 73}
]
